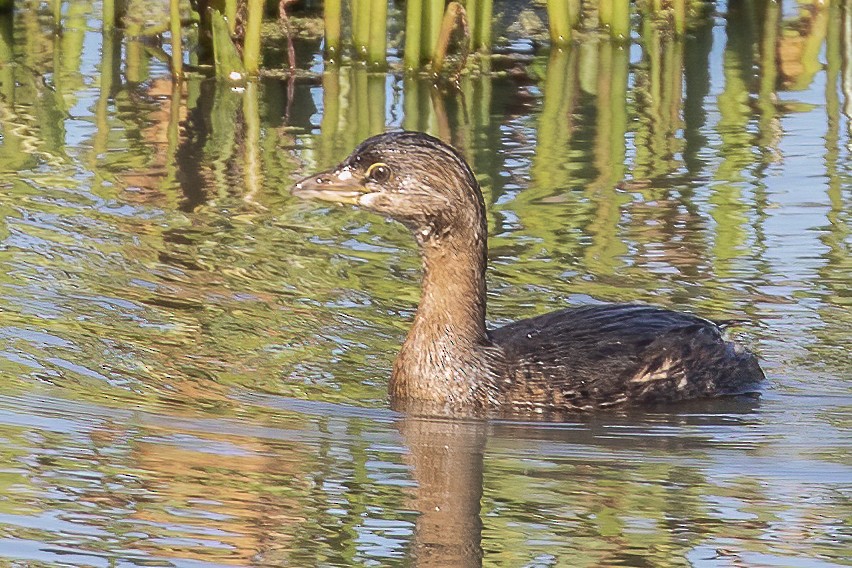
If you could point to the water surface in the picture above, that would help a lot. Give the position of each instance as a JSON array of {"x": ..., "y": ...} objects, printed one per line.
[{"x": 194, "y": 364}]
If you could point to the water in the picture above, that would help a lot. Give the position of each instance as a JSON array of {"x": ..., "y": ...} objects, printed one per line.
[{"x": 194, "y": 364}]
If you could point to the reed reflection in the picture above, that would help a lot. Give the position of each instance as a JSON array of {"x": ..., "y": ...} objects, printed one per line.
[
  {"x": 605, "y": 130},
  {"x": 306, "y": 495},
  {"x": 7, "y": 57},
  {"x": 696, "y": 79},
  {"x": 838, "y": 175},
  {"x": 800, "y": 42},
  {"x": 604, "y": 253},
  {"x": 286, "y": 488},
  {"x": 846, "y": 68},
  {"x": 12, "y": 154},
  {"x": 354, "y": 107},
  {"x": 659, "y": 100},
  {"x": 557, "y": 120}
]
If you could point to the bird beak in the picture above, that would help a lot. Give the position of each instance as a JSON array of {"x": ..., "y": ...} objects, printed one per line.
[{"x": 337, "y": 185}]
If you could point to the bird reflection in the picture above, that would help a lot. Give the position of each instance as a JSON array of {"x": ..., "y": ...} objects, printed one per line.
[{"x": 446, "y": 456}]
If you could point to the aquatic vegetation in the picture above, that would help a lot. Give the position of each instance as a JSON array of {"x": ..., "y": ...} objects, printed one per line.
[
  {"x": 423, "y": 44},
  {"x": 454, "y": 18}
]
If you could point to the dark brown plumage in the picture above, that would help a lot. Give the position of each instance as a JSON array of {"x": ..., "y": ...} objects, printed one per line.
[{"x": 574, "y": 359}]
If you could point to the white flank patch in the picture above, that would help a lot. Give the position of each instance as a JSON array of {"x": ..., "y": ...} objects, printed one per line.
[
  {"x": 648, "y": 374},
  {"x": 367, "y": 199}
]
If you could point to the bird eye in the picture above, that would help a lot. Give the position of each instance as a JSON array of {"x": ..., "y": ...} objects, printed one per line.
[{"x": 379, "y": 172}]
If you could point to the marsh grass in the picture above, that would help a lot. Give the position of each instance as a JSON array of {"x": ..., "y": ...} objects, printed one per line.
[
  {"x": 422, "y": 31},
  {"x": 174, "y": 31}
]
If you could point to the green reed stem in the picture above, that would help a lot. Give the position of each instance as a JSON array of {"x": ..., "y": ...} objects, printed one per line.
[
  {"x": 361, "y": 26},
  {"x": 230, "y": 14},
  {"x": 619, "y": 27},
  {"x": 575, "y": 8},
  {"x": 482, "y": 39},
  {"x": 679, "y": 16},
  {"x": 433, "y": 14},
  {"x": 413, "y": 14},
  {"x": 378, "y": 33},
  {"x": 331, "y": 18},
  {"x": 251, "y": 44},
  {"x": 226, "y": 60},
  {"x": 560, "y": 22},
  {"x": 108, "y": 11},
  {"x": 57, "y": 14},
  {"x": 605, "y": 12},
  {"x": 472, "y": 9},
  {"x": 176, "y": 41}
]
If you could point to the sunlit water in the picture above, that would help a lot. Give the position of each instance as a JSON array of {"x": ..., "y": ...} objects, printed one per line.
[{"x": 194, "y": 364}]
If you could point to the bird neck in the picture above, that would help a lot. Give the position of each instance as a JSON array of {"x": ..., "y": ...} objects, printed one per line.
[
  {"x": 452, "y": 301},
  {"x": 440, "y": 360}
]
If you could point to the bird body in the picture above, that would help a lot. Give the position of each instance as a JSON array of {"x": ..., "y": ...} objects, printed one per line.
[
  {"x": 613, "y": 354},
  {"x": 579, "y": 358}
]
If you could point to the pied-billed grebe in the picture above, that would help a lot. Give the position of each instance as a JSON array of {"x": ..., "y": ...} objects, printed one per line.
[{"x": 575, "y": 359}]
